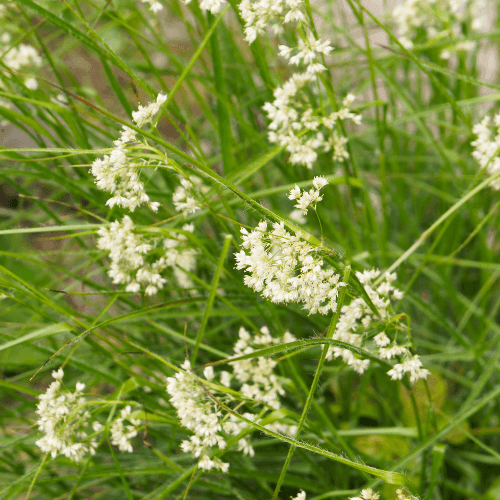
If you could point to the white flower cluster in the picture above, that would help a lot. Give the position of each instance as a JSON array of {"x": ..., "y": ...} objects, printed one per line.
[
  {"x": 258, "y": 382},
  {"x": 134, "y": 260},
  {"x": 15, "y": 59},
  {"x": 439, "y": 18},
  {"x": 261, "y": 13},
  {"x": 122, "y": 432},
  {"x": 307, "y": 53},
  {"x": 119, "y": 172},
  {"x": 256, "y": 375},
  {"x": 285, "y": 268},
  {"x": 366, "y": 494},
  {"x": 300, "y": 496},
  {"x": 300, "y": 129},
  {"x": 213, "y": 6},
  {"x": 295, "y": 125},
  {"x": 145, "y": 114},
  {"x": 198, "y": 413},
  {"x": 358, "y": 316},
  {"x": 308, "y": 199},
  {"x": 487, "y": 149},
  {"x": 186, "y": 196},
  {"x": 369, "y": 494},
  {"x": 65, "y": 422},
  {"x": 154, "y": 5},
  {"x": 20, "y": 56}
]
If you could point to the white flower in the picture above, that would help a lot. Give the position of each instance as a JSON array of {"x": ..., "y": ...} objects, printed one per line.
[
  {"x": 187, "y": 196},
  {"x": 260, "y": 14},
  {"x": 21, "y": 56},
  {"x": 208, "y": 372},
  {"x": 357, "y": 317},
  {"x": 487, "y": 148},
  {"x": 65, "y": 421},
  {"x": 300, "y": 496},
  {"x": 439, "y": 18},
  {"x": 154, "y": 5},
  {"x": 146, "y": 114},
  {"x": 411, "y": 365},
  {"x": 307, "y": 199},
  {"x": 31, "y": 83},
  {"x": 297, "y": 216},
  {"x": 198, "y": 413},
  {"x": 214, "y": 6},
  {"x": 201, "y": 415},
  {"x": 133, "y": 261},
  {"x": 118, "y": 174},
  {"x": 366, "y": 494},
  {"x": 284, "y": 268},
  {"x": 320, "y": 182},
  {"x": 301, "y": 130},
  {"x": 121, "y": 434},
  {"x": 256, "y": 375}
]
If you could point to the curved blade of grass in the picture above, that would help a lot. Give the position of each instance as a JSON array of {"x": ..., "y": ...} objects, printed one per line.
[
  {"x": 211, "y": 297},
  {"x": 50, "y": 229},
  {"x": 387, "y": 476},
  {"x": 102, "y": 50},
  {"x": 300, "y": 344},
  {"x": 38, "y": 334},
  {"x": 423, "y": 237},
  {"x": 116, "y": 319}
]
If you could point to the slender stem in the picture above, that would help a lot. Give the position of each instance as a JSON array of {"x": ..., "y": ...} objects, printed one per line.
[
  {"x": 310, "y": 396},
  {"x": 36, "y": 476},
  {"x": 211, "y": 298}
]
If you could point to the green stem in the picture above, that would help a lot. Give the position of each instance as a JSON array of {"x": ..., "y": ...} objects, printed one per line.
[{"x": 310, "y": 396}]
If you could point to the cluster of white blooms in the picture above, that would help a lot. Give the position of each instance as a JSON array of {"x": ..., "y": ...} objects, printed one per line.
[
  {"x": 487, "y": 148},
  {"x": 119, "y": 172},
  {"x": 261, "y": 13},
  {"x": 439, "y": 18},
  {"x": 258, "y": 381},
  {"x": 16, "y": 58},
  {"x": 65, "y": 421},
  {"x": 154, "y": 5},
  {"x": 308, "y": 199},
  {"x": 256, "y": 375},
  {"x": 302, "y": 130},
  {"x": 186, "y": 196},
  {"x": 295, "y": 125},
  {"x": 145, "y": 114},
  {"x": 369, "y": 494},
  {"x": 307, "y": 53},
  {"x": 134, "y": 257},
  {"x": 285, "y": 268},
  {"x": 200, "y": 414},
  {"x": 123, "y": 429},
  {"x": 356, "y": 318},
  {"x": 300, "y": 496},
  {"x": 213, "y": 6},
  {"x": 20, "y": 56},
  {"x": 366, "y": 494}
]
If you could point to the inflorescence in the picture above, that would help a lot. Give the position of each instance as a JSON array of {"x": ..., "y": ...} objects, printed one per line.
[
  {"x": 355, "y": 322},
  {"x": 487, "y": 148},
  {"x": 137, "y": 260},
  {"x": 193, "y": 399},
  {"x": 285, "y": 268},
  {"x": 119, "y": 172},
  {"x": 67, "y": 426}
]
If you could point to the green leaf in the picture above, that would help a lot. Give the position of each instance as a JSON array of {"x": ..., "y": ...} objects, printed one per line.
[{"x": 48, "y": 331}]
